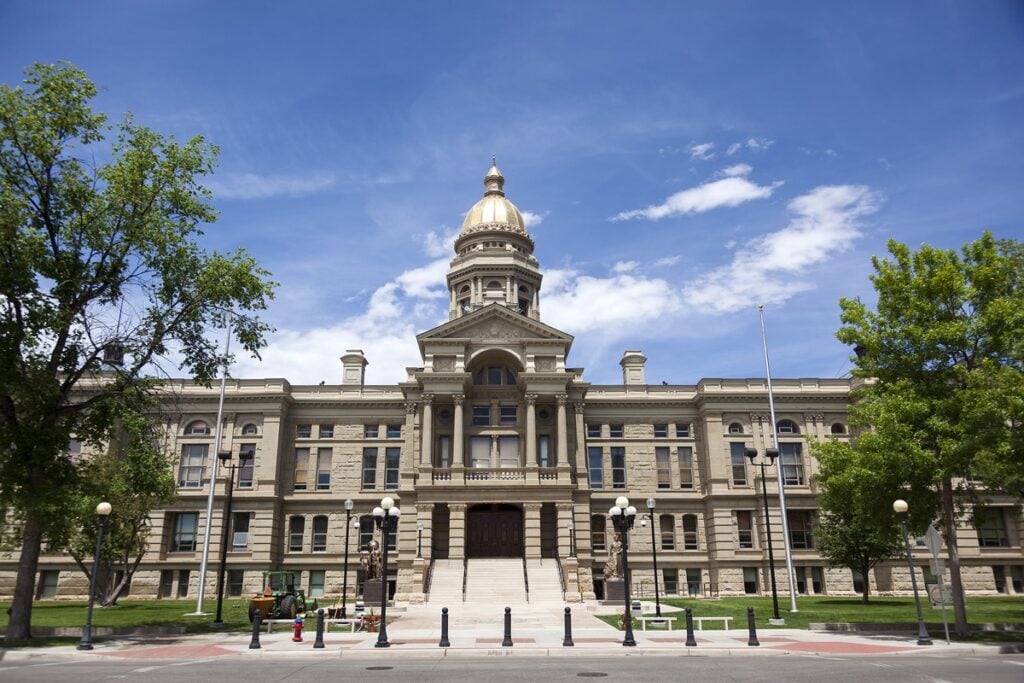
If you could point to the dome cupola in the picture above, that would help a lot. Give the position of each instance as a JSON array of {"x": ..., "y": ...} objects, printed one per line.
[{"x": 494, "y": 214}]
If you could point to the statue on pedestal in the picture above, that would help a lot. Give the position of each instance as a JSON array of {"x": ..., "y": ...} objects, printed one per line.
[
  {"x": 371, "y": 561},
  {"x": 613, "y": 567}
]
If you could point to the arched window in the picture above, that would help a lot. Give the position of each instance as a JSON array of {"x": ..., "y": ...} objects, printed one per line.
[
  {"x": 597, "y": 532},
  {"x": 838, "y": 428},
  {"x": 248, "y": 429},
  {"x": 320, "y": 534},
  {"x": 690, "y": 532},
  {"x": 787, "y": 427},
  {"x": 197, "y": 428},
  {"x": 668, "y": 532},
  {"x": 493, "y": 284},
  {"x": 494, "y": 375},
  {"x": 735, "y": 428}
]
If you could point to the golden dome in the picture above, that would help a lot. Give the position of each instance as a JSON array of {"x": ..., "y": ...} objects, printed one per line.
[{"x": 494, "y": 211}]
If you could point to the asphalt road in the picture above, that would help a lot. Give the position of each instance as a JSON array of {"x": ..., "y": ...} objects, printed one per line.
[{"x": 994, "y": 668}]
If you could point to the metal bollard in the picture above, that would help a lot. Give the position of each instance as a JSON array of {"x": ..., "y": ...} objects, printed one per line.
[
  {"x": 567, "y": 641},
  {"x": 752, "y": 642},
  {"x": 690, "y": 640},
  {"x": 444, "y": 629},
  {"x": 254, "y": 644},
  {"x": 319, "y": 642},
  {"x": 507, "y": 641}
]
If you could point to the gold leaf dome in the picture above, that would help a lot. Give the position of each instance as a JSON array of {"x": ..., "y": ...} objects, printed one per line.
[{"x": 494, "y": 211}]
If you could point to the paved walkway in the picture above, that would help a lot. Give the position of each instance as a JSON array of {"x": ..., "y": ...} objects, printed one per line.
[{"x": 536, "y": 630}]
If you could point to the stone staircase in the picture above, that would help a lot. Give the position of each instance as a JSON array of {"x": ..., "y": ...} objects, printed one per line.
[
  {"x": 545, "y": 586},
  {"x": 446, "y": 583},
  {"x": 495, "y": 581}
]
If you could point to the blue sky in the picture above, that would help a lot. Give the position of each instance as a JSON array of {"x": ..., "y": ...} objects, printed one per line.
[{"x": 681, "y": 161}]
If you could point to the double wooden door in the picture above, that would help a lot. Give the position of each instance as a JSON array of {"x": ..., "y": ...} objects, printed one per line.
[{"x": 494, "y": 531}]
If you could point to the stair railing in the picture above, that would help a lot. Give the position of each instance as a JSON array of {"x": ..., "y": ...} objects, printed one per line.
[
  {"x": 429, "y": 577},
  {"x": 526, "y": 580},
  {"x": 465, "y": 575},
  {"x": 561, "y": 576}
]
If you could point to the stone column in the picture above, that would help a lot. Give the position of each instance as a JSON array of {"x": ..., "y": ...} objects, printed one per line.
[
  {"x": 531, "y": 429},
  {"x": 495, "y": 456},
  {"x": 456, "y": 531},
  {"x": 562, "y": 454},
  {"x": 580, "y": 461},
  {"x": 408, "y": 463},
  {"x": 458, "y": 438},
  {"x": 570, "y": 564},
  {"x": 531, "y": 532},
  {"x": 427, "y": 446}
]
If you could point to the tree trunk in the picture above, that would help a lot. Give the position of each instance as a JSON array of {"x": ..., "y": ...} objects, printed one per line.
[
  {"x": 956, "y": 584},
  {"x": 864, "y": 572},
  {"x": 20, "y": 624}
]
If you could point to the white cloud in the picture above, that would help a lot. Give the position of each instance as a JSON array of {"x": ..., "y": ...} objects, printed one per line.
[
  {"x": 764, "y": 270},
  {"x": 625, "y": 266},
  {"x": 255, "y": 186},
  {"x": 613, "y": 305},
  {"x": 737, "y": 170},
  {"x": 759, "y": 144},
  {"x": 731, "y": 191},
  {"x": 425, "y": 282},
  {"x": 667, "y": 261},
  {"x": 733, "y": 148},
  {"x": 702, "y": 151},
  {"x": 831, "y": 153},
  {"x": 533, "y": 219},
  {"x": 437, "y": 244}
]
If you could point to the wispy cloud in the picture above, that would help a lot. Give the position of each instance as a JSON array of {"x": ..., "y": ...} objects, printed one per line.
[
  {"x": 612, "y": 305},
  {"x": 824, "y": 223},
  {"x": 534, "y": 218},
  {"x": 255, "y": 186},
  {"x": 702, "y": 151},
  {"x": 667, "y": 261},
  {"x": 440, "y": 243},
  {"x": 759, "y": 144},
  {"x": 733, "y": 148},
  {"x": 625, "y": 266},
  {"x": 737, "y": 170},
  {"x": 730, "y": 191}
]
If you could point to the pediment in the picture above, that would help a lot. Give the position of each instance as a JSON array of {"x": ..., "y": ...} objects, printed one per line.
[{"x": 495, "y": 323}]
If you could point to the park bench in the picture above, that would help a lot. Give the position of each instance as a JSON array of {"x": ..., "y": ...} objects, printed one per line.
[
  {"x": 657, "y": 620},
  {"x": 700, "y": 621},
  {"x": 352, "y": 624}
]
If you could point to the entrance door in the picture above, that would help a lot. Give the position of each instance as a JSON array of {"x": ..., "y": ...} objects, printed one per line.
[{"x": 494, "y": 531}]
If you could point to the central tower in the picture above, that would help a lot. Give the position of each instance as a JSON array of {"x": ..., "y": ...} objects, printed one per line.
[{"x": 494, "y": 260}]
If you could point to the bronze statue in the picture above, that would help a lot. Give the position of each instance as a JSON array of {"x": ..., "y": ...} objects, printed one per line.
[
  {"x": 613, "y": 567},
  {"x": 370, "y": 559}
]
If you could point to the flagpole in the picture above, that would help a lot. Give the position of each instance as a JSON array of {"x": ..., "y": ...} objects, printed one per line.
[{"x": 778, "y": 469}]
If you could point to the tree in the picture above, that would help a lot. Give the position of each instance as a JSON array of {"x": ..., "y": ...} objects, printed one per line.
[
  {"x": 946, "y": 349},
  {"x": 98, "y": 260}
]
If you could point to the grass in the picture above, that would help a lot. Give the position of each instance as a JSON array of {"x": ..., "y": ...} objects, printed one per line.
[{"x": 881, "y": 610}]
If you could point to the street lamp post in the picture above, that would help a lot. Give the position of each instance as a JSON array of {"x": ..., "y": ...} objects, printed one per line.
[
  {"x": 102, "y": 511},
  {"x": 419, "y": 540},
  {"x": 771, "y": 454},
  {"x": 344, "y": 581},
  {"x": 623, "y": 516},
  {"x": 225, "y": 459},
  {"x": 572, "y": 539},
  {"x": 900, "y": 507},
  {"x": 654, "y": 555},
  {"x": 385, "y": 518}
]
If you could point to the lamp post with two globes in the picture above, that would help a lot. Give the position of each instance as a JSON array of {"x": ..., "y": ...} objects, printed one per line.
[
  {"x": 102, "y": 512},
  {"x": 770, "y": 454},
  {"x": 385, "y": 518},
  {"x": 349, "y": 505},
  {"x": 244, "y": 458},
  {"x": 623, "y": 516},
  {"x": 900, "y": 507}
]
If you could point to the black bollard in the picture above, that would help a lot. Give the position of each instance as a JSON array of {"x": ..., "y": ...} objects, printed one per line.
[
  {"x": 567, "y": 641},
  {"x": 319, "y": 642},
  {"x": 444, "y": 629},
  {"x": 690, "y": 640},
  {"x": 254, "y": 644},
  {"x": 507, "y": 642},
  {"x": 752, "y": 642}
]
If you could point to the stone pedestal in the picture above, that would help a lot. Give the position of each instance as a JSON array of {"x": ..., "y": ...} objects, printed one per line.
[
  {"x": 572, "y": 579},
  {"x": 372, "y": 592},
  {"x": 614, "y": 590}
]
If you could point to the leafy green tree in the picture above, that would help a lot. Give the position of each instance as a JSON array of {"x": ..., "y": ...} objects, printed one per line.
[
  {"x": 945, "y": 347},
  {"x": 99, "y": 259}
]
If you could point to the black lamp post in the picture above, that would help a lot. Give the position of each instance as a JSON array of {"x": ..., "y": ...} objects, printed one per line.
[
  {"x": 900, "y": 507},
  {"x": 623, "y": 516},
  {"x": 654, "y": 553},
  {"x": 572, "y": 539},
  {"x": 344, "y": 581},
  {"x": 419, "y": 540},
  {"x": 771, "y": 454},
  {"x": 102, "y": 511},
  {"x": 225, "y": 460},
  {"x": 386, "y": 519}
]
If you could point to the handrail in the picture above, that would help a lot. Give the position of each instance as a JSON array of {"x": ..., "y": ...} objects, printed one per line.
[
  {"x": 561, "y": 577},
  {"x": 429, "y": 577},
  {"x": 465, "y": 576},
  {"x": 526, "y": 580}
]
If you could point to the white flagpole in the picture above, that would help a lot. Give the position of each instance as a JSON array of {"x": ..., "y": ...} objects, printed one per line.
[{"x": 778, "y": 469}]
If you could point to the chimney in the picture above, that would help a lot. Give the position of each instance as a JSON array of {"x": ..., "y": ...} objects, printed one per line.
[
  {"x": 633, "y": 366},
  {"x": 353, "y": 365}
]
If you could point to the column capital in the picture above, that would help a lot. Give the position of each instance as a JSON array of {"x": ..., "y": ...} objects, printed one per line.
[
  {"x": 532, "y": 507},
  {"x": 562, "y": 399},
  {"x": 427, "y": 399},
  {"x": 565, "y": 507},
  {"x": 578, "y": 406},
  {"x": 456, "y": 507},
  {"x": 814, "y": 417},
  {"x": 531, "y": 399},
  {"x": 411, "y": 406},
  {"x": 458, "y": 399}
]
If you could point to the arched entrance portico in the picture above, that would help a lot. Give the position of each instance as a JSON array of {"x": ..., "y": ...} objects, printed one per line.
[{"x": 494, "y": 530}]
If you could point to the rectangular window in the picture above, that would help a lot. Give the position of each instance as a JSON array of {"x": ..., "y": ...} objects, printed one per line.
[
  {"x": 185, "y": 526},
  {"x": 801, "y": 579},
  {"x": 817, "y": 580},
  {"x": 394, "y": 431},
  {"x": 593, "y": 431},
  {"x": 369, "y": 468},
  {"x": 444, "y": 452},
  {"x": 323, "y": 469},
  {"x": 991, "y": 526},
  {"x": 661, "y": 431},
  {"x": 693, "y": 582},
  {"x": 303, "y": 431},
  {"x": 48, "y": 580},
  {"x": 393, "y": 538},
  {"x": 544, "y": 450},
  {"x": 326, "y": 431},
  {"x": 184, "y": 576},
  {"x": 800, "y": 526},
  {"x": 682, "y": 430},
  {"x": 240, "y": 530},
  {"x": 598, "y": 524},
  {"x": 481, "y": 416},
  {"x": 668, "y": 532},
  {"x": 193, "y": 465},
  {"x": 236, "y": 582},
  {"x": 508, "y": 415},
  {"x": 392, "y": 457},
  {"x": 690, "y": 539},
  {"x": 750, "y": 580},
  {"x": 663, "y": 462},
  {"x": 301, "y": 468},
  {"x": 508, "y": 451},
  {"x": 319, "y": 534},
  {"x": 316, "y": 583},
  {"x": 685, "y": 454},
  {"x": 166, "y": 583},
  {"x": 858, "y": 581},
  {"x": 371, "y": 431},
  {"x": 615, "y": 431},
  {"x": 1017, "y": 578},
  {"x": 365, "y": 531},
  {"x": 248, "y": 467},
  {"x": 296, "y": 531},
  {"x": 745, "y": 528},
  {"x": 618, "y": 467},
  {"x": 792, "y": 463},
  {"x": 739, "y": 464},
  {"x": 670, "y": 579},
  {"x": 480, "y": 451},
  {"x": 999, "y": 576},
  {"x": 596, "y": 467}
]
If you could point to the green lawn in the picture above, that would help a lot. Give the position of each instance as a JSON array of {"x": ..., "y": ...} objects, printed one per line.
[
  {"x": 133, "y": 613},
  {"x": 881, "y": 610}
]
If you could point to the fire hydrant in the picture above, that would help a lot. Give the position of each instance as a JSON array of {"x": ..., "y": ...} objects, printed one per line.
[{"x": 297, "y": 630}]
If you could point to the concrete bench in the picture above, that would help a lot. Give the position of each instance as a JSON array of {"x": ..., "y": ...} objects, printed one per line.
[
  {"x": 352, "y": 624},
  {"x": 700, "y": 621},
  {"x": 657, "y": 620},
  {"x": 270, "y": 623}
]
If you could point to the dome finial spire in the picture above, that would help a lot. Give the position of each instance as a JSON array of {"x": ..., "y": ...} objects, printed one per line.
[{"x": 494, "y": 182}]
